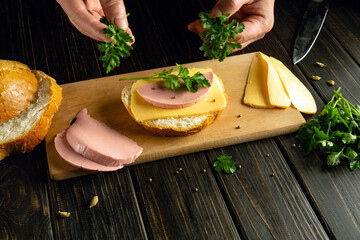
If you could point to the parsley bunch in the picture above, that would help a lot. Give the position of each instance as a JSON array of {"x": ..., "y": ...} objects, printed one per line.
[
  {"x": 224, "y": 163},
  {"x": 172, "y": 81},
  {"x": 116, "y": 49},
  {"x": 216, "y": 44},
  {"x": 335, "y": 131}
]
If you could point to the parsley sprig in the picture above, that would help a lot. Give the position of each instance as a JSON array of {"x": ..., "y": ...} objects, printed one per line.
[
  {"x": 172, "y": 81},
  {"x": 120, "y": 47},
  {"x": 335, "y": 131},
  {"x": 216, "y": 44},
  {"x": 224, "y": 163}
]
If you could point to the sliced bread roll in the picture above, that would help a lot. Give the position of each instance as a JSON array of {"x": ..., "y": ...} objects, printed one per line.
[
  {"x": 172, "y": 126},
  {"x": 24, "y": 132}
]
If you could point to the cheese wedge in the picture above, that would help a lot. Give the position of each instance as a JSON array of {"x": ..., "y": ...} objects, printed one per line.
[
  {"x": 299, "y": 95},
  {"x": 143, "y": 111},
  {"x": 256, "y": 94},
  {"x": 276, "y": 91}
]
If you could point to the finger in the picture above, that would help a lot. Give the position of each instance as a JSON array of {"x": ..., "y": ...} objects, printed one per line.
[
  {"x": 223, "y": 7},
  {"x": 196, "y": 27},
  {"x": 227, "y": 7},
  {"x": 255, "y": 28},
  {"x": 82, "y": 19},
  {"x": 116, "y": 12},
  {"x": 245, "y": 44}
]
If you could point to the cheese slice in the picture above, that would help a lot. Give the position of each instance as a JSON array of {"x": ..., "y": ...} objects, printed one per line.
[
  {"x": 256, "y": 94},
  {"x": 299, "y": 95},
  {"x": 276, "y": 91},
  {"x": 144, "y": 111}
]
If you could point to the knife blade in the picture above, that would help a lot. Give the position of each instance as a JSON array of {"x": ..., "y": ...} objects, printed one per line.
[{"x": 310, "y": 27}]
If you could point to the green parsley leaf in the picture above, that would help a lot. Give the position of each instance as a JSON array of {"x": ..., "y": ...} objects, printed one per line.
[
  {"x": 333, "y": 159},
  {"x": 224, "y": 163},
  {"x": 219, "y": 38},
  {"x": 172, "y": 81},
  {"x": 120, "y": 47},
  {"x": 348, "y": 138},
  {"x": 335, "y": 131}
]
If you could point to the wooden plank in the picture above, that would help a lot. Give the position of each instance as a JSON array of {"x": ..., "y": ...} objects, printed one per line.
[
  {"x": 24, "y": 206},
  {"x": 327, "y": 188},
  {"x": 173, "y": 209},
  {"x": 116, "y": 214},
  {"x": 25, "y": 210},
  {"x": 102, "y": 98},
  {"x": 263, "y": 195},
  {"x": 344, "y": 23}
]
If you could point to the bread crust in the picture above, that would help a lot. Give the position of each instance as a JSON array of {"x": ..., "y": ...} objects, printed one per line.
[
  {"x": 28, "y": 141},
  {"x": 18, "y": 87},
  {"x": 172, "y": 131}
]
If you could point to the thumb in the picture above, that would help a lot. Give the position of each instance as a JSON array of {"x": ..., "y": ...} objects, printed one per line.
[
  {"x": 116, "y": 12},
  {"x": 226, "y": 7}
]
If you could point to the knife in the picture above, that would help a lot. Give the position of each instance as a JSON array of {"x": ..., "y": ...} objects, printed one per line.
[{"x": 310, "y": 27}]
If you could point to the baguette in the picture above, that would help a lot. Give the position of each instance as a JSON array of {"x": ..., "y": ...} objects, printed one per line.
[
  {"x": 171, "y": 126},
  {"x": 24, "y": 132}
]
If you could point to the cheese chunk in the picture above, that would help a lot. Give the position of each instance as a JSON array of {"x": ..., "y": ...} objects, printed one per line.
[
  {"x": 299, "y": 95},
  {"x": 275, "y": 88},
  {"x": 256, "y": 94},
  {"x": 144, "y": 111}
]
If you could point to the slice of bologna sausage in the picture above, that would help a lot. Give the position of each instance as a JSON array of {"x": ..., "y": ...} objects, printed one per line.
[
  {"x": 97, "y": 142},
  {"x": 158, "y": 95},
  {"x": 77, "y": 160}
]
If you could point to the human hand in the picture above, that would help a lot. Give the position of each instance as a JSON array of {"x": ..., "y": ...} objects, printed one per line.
[
  {"x": 85, "y": 16},
  {"x": 256, "y": 15}
]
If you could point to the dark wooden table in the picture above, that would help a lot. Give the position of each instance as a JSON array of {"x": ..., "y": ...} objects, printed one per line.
[{"x": 304, "y": 199}]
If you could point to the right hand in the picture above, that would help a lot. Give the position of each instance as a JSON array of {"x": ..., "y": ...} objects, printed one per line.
[
  {"x": 85, "y": 16},
  {"x": 256, "y": 15}
]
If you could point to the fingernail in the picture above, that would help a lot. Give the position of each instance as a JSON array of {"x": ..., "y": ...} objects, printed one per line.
[{"x": 121, "y": 22}]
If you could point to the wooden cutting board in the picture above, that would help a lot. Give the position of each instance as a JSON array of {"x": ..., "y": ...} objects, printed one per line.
[{"x": 102, "y": 98}]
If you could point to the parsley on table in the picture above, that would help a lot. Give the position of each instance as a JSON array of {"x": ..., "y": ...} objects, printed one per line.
[
  {"x": 335, "y": 131},
  {"x": 216, "y": 44},
  {"x": 224, "y": 163},
  {"x": 119, "y": 47},
  {"x": 172, "y": 81}
]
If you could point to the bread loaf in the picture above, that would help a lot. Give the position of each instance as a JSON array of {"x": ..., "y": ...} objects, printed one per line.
[
  {"x": 18, "y": 86},
  {"x": 24, "y": 132}
]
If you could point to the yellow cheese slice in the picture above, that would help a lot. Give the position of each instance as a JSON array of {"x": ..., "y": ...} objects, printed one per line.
[
  {"x": 256, "y": 94},
  {"x": 144, "y": 111},
  {"x": 276, "y": 90},
  {"x": 299, "y": 95}
]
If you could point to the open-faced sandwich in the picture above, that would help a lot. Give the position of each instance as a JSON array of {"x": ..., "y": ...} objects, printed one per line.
[{"x": 178, "y": 103}]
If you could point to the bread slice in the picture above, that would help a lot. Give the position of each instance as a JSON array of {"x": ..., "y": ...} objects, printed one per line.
[
  {"x": 172, "y": 126},
  {"x": 24, "y": 132}
]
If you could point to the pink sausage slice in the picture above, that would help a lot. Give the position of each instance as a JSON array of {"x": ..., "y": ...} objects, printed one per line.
[
  {"x": 75, "y": 159},
  {"x": 97, "y": 142},
  {"x": 157, "y": 95}
]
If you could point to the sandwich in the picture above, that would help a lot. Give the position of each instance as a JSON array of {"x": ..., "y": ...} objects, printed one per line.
[{"x": 175, "y": 112}]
